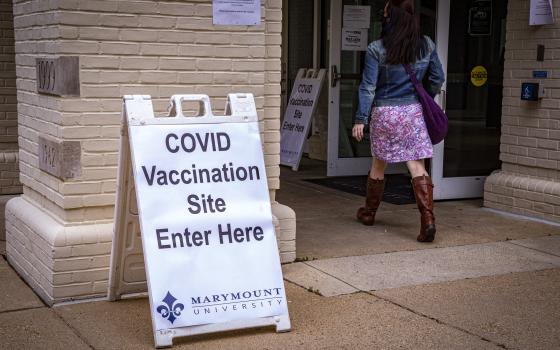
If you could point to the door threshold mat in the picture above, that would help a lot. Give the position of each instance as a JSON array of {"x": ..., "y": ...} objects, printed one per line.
[{"x": 398, "y": 189}]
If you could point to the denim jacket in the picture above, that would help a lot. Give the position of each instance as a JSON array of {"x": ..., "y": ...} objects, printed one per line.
[{"x": 388, "y": 85}]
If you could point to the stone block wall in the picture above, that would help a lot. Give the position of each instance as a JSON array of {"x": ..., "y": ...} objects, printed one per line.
[
  {"x": 9, "y": 170},
  {"x": 157, "y": 48},
  {"x": 529, "y": 181}
]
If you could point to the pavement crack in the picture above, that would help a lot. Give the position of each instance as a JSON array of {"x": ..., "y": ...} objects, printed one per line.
[
  {"x": 462, "y": 330},
  {"x": 333, "y": 276},
  {"x": 500, "y": 345},
  {"x": 76, "y": 332},
  {"x": 535, "y": 249},
  {"x": 22, "y": 309}
]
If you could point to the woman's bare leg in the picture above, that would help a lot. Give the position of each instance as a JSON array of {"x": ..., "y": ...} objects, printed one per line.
[
  {"x": 416, "y": 168},
  {"x": 377, "y": 171}
]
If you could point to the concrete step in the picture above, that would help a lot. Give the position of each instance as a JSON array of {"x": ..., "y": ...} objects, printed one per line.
[{"x": 337, "y": 276}]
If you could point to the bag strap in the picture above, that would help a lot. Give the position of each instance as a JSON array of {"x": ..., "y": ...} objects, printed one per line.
[{"x": 412, "y": 76}]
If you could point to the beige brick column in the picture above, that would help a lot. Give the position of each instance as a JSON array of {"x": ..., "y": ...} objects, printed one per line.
[
  {"x": 9, "y": 170},
  {"x": 529, "y": 181},
  {"x": 59, "y": 233}
]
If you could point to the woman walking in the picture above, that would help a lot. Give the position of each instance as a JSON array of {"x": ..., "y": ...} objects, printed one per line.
[{"x": 397, "y": 129}]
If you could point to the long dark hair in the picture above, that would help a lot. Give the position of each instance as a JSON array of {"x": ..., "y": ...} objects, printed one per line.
[{"x": 401, "y": 36}]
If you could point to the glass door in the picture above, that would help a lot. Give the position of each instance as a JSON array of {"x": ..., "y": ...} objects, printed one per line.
[
  {"x": 346, "y": 156},
  {"x": 471, "y": 96},
  {"x": 472, "y": 54}
]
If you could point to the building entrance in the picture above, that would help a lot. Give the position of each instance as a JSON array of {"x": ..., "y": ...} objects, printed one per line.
[{"x": 470, "y": 40}]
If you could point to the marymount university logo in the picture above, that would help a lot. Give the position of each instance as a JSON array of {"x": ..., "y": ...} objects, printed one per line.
[{"x": 170, "y": 310}]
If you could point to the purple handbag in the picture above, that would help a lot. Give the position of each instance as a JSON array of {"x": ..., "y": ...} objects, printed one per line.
[{"x": 434, "y": 117}]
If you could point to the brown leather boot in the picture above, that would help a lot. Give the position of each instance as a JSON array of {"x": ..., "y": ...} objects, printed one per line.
[
  {"x": 374, "y": 193},
  {"x": 424, "y": 193}
]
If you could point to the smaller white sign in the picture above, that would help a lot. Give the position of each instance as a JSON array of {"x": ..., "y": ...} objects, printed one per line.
[
  {"x": 236, "y": 12},
  {"x": 354, "y": 39},
  {"x": 301, "y": 106},
  {"x": 541, "y": 12},
  {"x": 356, "y": 16}
]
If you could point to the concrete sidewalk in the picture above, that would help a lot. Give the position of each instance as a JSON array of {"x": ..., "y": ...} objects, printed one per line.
[
  {"x": 338, "y": 276},
  {"x": 513, "y": 311},
  {"x": 488, "y": 282}
]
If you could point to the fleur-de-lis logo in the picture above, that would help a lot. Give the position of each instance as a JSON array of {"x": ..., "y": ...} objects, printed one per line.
[{"x": 170, "y": 310}]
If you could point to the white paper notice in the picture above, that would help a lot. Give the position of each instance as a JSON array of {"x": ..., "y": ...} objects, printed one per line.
[
  {"x": 236, "y": 12},
  {"x": 541, "y": 12},
  {"x": 356, "y": 16},
  {"x": 354, "y": 39}
]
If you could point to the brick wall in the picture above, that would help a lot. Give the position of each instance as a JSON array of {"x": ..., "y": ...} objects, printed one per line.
[
  {"x": 8, "y": 102},
  {"x": 9, "y": 173},
  {"x": 529, "y": 181},
  {"x": 9, "y": 170},
  {"x": 157, "y": 48},
  {"x": 35, "y": 32},
  {"x": 59, "y": 232}
]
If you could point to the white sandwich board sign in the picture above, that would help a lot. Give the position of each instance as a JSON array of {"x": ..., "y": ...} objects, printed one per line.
[
  {"x": 297, "y": 118},
  {"x": 209, "y": 246}
]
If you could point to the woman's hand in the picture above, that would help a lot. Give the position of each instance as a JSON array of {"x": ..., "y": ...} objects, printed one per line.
[{"x": 358, "y": 132}]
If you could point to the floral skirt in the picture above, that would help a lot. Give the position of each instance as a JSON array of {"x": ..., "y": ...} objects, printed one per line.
[{"x": 398, "y": 133}]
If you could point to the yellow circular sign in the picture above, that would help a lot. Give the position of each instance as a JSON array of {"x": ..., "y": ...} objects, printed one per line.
[{"x": 479, "y": 75}]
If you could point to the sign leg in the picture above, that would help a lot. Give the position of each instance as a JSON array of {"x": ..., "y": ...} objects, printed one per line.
[
  {"x": 163, "y": 340},
  {"x": 282, "y": 323}
]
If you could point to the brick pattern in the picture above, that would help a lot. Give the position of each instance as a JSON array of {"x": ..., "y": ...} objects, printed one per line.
[
  {"x": 284, "y": 220},
  {"x": 9, "y": 184},
  {"x": 34, "y": 32},
  {"x": 531, "y": 130},
  {"x": 523, "y": 195},
  {"x": 530, "y": 141},
  {"x": 59, "y": 233},
  {"x": 77, "y": 269},
  {"x": 157, "y": 48},
  {"x": 9, "y": 171},
  {"x": 3, "y": 200}
]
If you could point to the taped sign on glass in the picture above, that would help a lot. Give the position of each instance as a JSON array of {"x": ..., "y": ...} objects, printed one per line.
[
  {"x": 209, "y": 245},
  {"x": 479, "y": 76},
  {"x": 297, "y": 118},
  {"x": 354, "y": 39},
  {"x": 356, "y": 16},
  {"x": 480, "y": 18}
]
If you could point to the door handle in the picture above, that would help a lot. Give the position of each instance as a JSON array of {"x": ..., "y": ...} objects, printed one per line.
[{"x": 335, "y": 76}]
